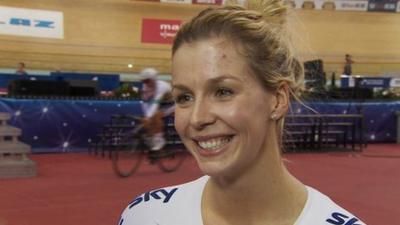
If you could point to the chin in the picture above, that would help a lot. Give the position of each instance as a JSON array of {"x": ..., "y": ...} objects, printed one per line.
[{"x": 215, "y": 168}]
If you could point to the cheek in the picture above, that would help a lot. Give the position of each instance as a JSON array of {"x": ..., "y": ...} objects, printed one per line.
[
  {"x": 234, "y": 116},
  {"x": 244, "y": 113},
  {"x": 181, "y": 121}
]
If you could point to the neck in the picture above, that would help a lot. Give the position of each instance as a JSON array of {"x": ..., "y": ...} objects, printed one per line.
[{"x": 260, "y": 195}]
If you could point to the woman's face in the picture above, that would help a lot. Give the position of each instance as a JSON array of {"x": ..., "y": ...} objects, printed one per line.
[{"x": 222, "y": 112}]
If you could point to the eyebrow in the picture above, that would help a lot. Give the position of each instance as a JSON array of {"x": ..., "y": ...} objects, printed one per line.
[
  {"x": 211, "y": 81},
  {"x": 179, "y": 87},
  {"x": 222, "y": 78}
]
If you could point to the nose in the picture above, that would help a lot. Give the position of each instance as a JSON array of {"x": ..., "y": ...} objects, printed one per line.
[{"x": 201, "y": 115}]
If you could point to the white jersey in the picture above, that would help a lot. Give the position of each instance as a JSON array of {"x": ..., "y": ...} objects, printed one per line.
[
  {"x": 181, "y": 205},
  {"x": 151, "y": 106}
]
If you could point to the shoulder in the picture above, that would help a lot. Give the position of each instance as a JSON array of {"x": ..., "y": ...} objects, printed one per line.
[
  {"x": 321, "y": 210},
  {"x": 164, "y": 203}
]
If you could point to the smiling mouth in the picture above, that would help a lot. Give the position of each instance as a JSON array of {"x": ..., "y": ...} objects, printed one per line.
[{"x": 215, "y": 143}]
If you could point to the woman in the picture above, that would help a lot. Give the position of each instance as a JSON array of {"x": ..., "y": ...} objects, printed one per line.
[{"x": 233, "y": 76}]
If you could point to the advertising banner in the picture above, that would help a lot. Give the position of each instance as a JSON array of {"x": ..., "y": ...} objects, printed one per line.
[
  {"x": 208, "y": 2},
  {"x": 177, "y": 1},
  {"x": 372, "y": 82},
  {"x": 398, "y": 7},
  {"x": 365, "y": 82},
  {"x": 382, "y": 5},
  {"x": 31, "y": 22},
  {"x": 159, "y": 31},
  {"x": 395, "y": 82},
  {"x": 351, "y": 5}
]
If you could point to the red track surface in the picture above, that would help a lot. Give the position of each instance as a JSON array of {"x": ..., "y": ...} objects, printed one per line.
[{"x": 80, "y": 189}]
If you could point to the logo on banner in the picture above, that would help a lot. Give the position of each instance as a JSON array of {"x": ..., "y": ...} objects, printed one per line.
[
  {"x": 371, "y": 82},
  {"x": 168, "y": 30},
  {"x": 395, "y": 82},
  {"x": 159, "y": 31},
  {"x": 208, "y": 2},
  {"x": 382, "y": 5},
  {"x": 30, "y": 22},
  {"x": 351, "y": 5}
]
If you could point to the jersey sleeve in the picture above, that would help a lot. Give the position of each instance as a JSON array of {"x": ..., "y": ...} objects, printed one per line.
[
  {"x": 175, "y": 205},
  {"x": 321, "y": 210}
]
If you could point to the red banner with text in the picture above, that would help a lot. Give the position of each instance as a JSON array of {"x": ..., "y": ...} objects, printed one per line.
[{"x": 159, "y": 31}]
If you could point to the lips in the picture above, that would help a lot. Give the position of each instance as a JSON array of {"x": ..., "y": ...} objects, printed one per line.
[
  {"x": 214, "y": 143},
  {"x": 211, "y": 146}
]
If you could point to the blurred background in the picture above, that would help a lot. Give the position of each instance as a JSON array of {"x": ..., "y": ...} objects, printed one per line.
[{"x": 68, "y": 67}]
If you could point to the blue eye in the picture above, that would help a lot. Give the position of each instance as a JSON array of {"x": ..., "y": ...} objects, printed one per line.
[
  {"x": 183, "y": 99},
  {"x": 224, "y": 92}
]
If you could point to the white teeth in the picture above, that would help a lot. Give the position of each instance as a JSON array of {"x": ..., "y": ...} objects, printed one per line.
[{"x": 214, "y": 143}]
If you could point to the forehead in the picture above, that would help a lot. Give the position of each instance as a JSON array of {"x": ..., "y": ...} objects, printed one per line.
[
  {"x": 215, "y": 49},
  {"x": 207, "y": 59}
]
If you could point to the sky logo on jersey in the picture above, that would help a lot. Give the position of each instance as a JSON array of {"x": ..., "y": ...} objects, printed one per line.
[
  {"x": 161, "y": 194},
  {"x": 341, "y": 219}
]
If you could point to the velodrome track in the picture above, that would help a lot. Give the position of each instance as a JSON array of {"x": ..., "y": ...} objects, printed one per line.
[{"x": 77, "y": 188}]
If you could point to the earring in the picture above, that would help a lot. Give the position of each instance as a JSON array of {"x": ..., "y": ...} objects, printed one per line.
[{"x": 274, "y": 116}]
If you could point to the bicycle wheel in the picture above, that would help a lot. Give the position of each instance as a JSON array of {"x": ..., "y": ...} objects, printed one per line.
[
  {"x": 170, "y": 160},
  {"x": 127, "y": 157}
]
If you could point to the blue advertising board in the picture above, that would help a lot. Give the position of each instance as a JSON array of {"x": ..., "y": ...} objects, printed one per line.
[
  {"x": 382, "y": 5},
  {"x": 365, "y": 82}
]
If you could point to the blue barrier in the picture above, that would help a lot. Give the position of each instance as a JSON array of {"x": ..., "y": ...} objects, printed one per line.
[
  {"x": 106, "y": 82},
  {"x": 67, "y": 125}
]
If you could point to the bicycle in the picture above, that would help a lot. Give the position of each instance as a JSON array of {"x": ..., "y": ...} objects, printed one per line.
[{"x": 132, "y": 147}]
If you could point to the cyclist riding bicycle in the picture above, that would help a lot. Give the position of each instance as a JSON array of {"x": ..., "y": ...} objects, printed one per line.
[{"x": 156, "y": 97}]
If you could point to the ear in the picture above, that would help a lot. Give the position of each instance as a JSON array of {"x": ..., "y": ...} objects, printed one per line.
[{"x": 282, "y": 102}]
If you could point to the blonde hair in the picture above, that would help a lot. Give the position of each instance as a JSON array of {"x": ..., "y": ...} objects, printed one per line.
[{"x": 259, "y": 27}]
